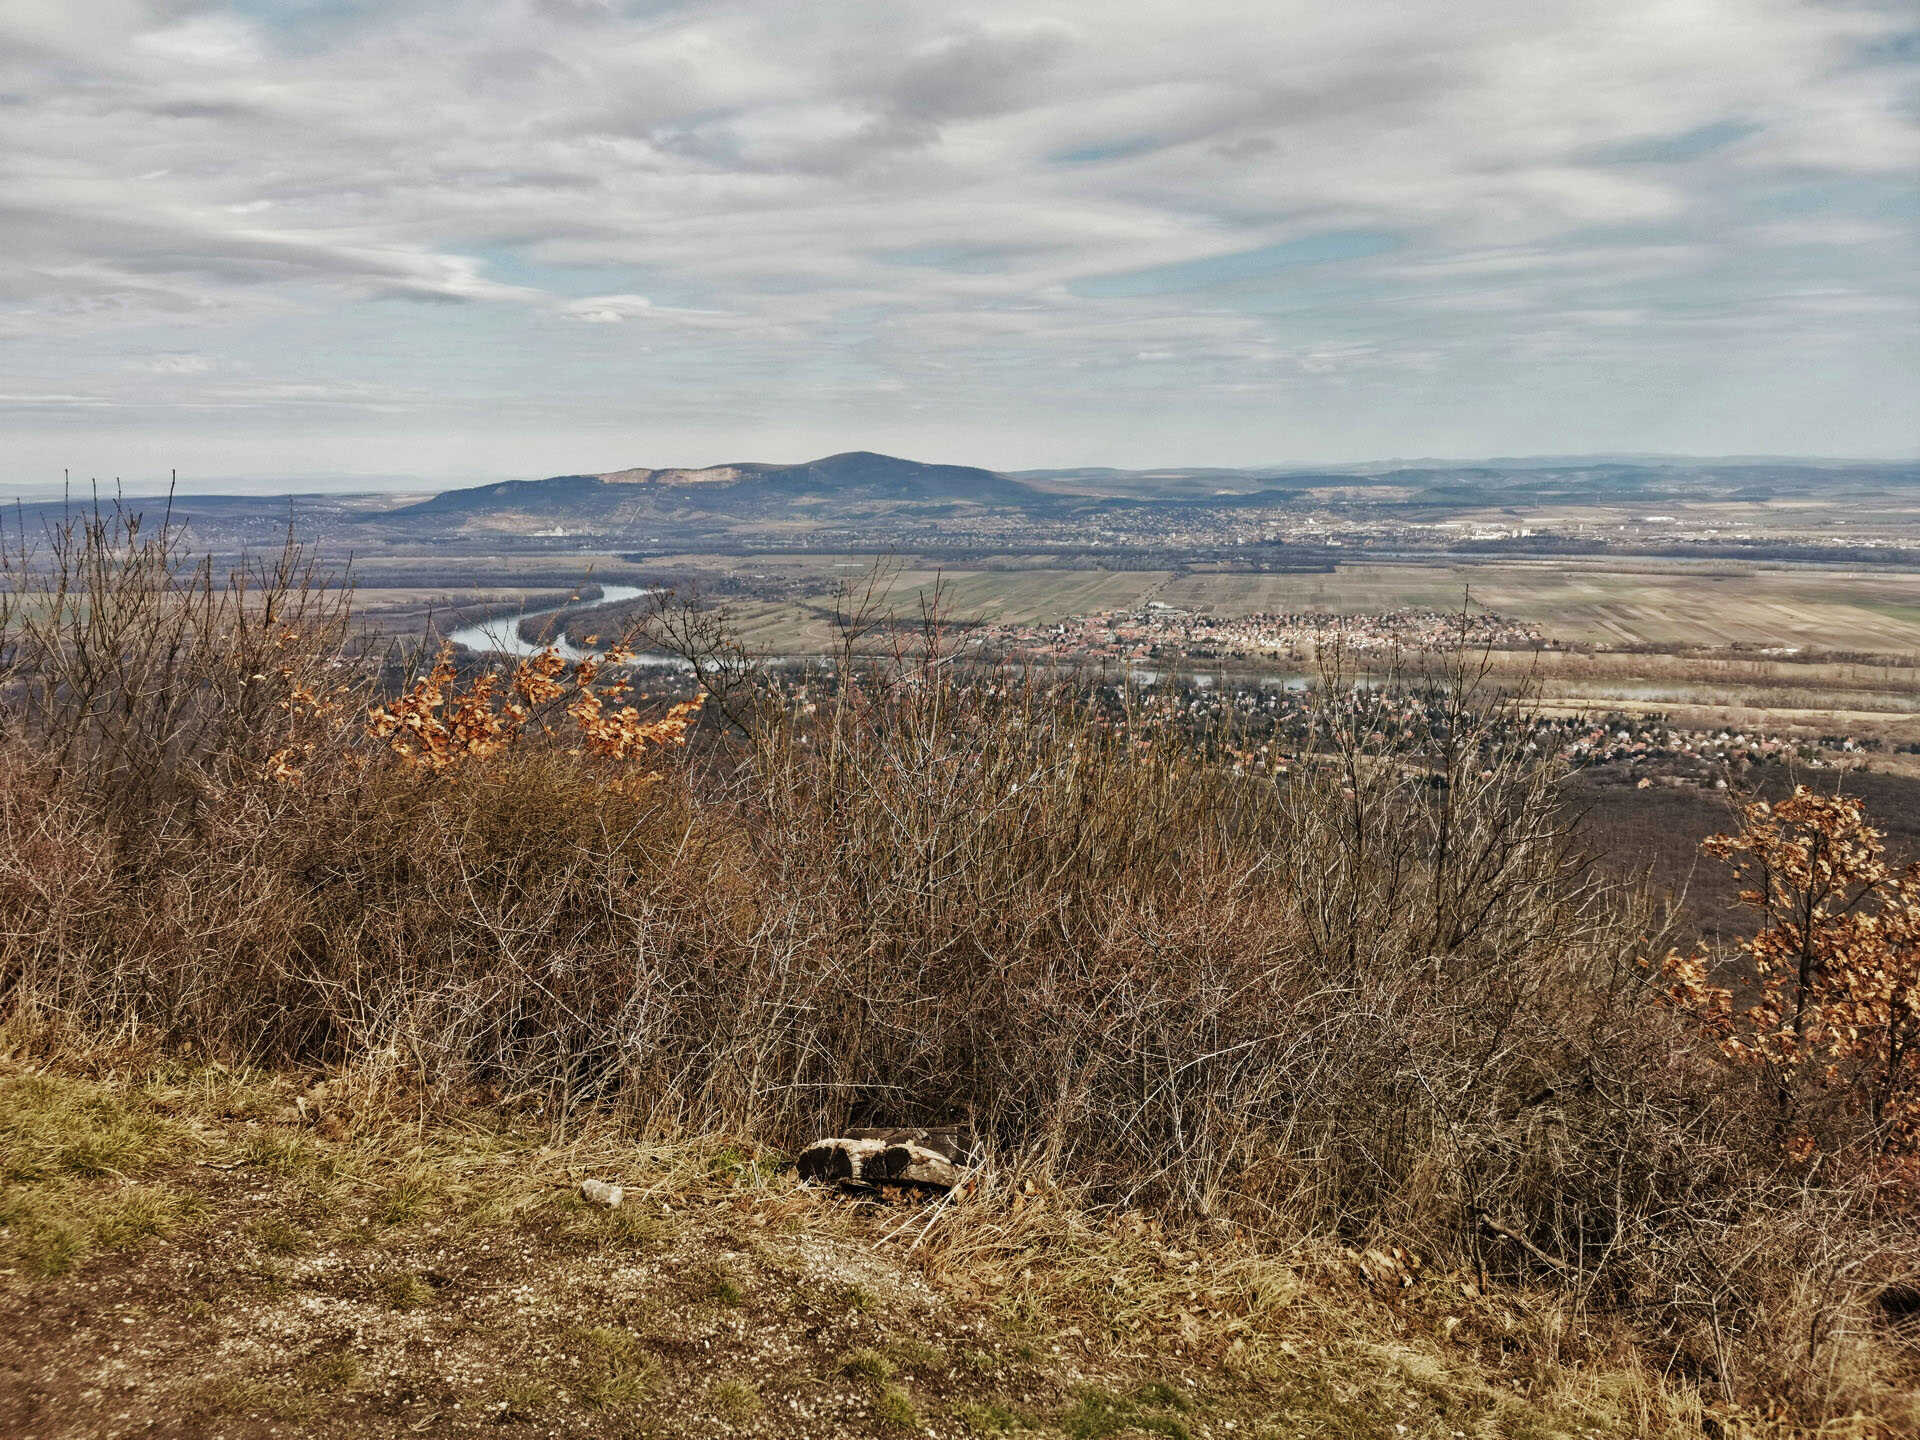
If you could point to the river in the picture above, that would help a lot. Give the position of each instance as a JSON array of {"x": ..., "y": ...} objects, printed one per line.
[{"x": 501, "y": 635}]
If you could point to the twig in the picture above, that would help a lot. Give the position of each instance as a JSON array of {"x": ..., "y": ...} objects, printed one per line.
[{"x": 1487, "y": 1222}]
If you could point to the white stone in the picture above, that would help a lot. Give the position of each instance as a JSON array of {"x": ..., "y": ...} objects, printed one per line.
[{"x": 598, "y": 1192}]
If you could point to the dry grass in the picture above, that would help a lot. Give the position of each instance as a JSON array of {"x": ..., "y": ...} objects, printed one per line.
[{"x": 508, "y": 1304}]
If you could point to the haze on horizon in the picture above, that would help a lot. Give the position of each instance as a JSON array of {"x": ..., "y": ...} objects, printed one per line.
[{"x": 417, "y": 237}]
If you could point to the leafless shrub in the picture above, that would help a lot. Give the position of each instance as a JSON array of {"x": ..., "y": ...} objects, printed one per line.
[{"x": 150, "y": 678}]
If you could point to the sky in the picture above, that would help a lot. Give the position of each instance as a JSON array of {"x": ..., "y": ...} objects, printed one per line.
[{"x": 287, "y": 239}]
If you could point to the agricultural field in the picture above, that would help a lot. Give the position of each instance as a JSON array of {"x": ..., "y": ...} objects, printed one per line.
[
  {"x": 1653, "y": 603},
  {"x": 1806, "y": 650}
]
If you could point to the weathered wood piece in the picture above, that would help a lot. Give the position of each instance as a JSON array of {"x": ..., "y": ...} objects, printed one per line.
[{"x": 939, "y": 1158}]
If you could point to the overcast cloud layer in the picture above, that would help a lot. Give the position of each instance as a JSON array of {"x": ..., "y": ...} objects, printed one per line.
[{"x": 292, "y": 236}]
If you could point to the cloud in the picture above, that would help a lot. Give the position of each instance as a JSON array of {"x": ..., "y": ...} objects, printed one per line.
[
  {"x": 607, "y": 309},
  {"x": 969, "y": 75},
  {"x": 175, "y": 364},
  {"x": 503, "y": 207}
]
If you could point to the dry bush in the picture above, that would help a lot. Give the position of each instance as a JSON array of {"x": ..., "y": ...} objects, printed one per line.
[
  {"x": 1834, "y": 976},
  {"x": 1383, "y": 1000},
  {"x": 142, "y": 677}
]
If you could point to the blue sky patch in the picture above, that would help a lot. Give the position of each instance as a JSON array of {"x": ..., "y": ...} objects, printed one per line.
[
  {"x": 1236, "y": 267},
  {"x": 1678, "y": 149},
  {"x": 1111, "y": 150}
]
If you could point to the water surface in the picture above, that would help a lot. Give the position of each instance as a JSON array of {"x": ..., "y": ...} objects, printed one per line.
[{"x": 501, "y": 635}]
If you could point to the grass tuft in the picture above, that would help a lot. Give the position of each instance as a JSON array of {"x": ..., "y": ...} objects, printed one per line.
[
  {"x": 895, "y": 1409},
  {"x": 403, "y": 1290},
  {"x": 51, "y": 1128},
  {"x": 857, "y": 1299},
  {"x": 734, "y": 1401},
  {"x": 525, "y": 1398},
  {"x": 332, "y": 1373},
  {"x": 415, "y": 1196},
  {"x": 52, "y": 1249},
  {"x": 993, "y": 1418},
  {"x": 917, "y": 1355},
  {"x": 278, "y": 1235},
  {"x": 613, "y": 1375},
  {"x": 66, "y": 1150},
  {"x": 1098, "y": 1413},
  {"x": 1159, "y": 1395},
  {"x": 867, "y": 1364},
  {"x": 722, "y": 1286}
]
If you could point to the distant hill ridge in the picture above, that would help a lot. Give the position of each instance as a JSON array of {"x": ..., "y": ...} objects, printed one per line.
[
  {"x": 862, "y": 487},
  {"x": 854, "y": 475}
]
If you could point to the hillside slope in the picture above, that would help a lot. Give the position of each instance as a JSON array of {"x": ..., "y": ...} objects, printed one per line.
[
  {"x": 746, "y": 490},
  {"x": 199, "y": 1252}
]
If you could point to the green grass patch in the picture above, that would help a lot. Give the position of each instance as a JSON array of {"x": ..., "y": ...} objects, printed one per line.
[
  {"x": 59, "y": 1128},
  {"x": 1098, "y": 1413},
  {"x": 857, "y": 1299},
  {"x": 49, "y": 1229},
  {"x": 722, "y": 1286},
  {"x": 524, "y": 1398},
  {"x": 286, "y": 1153},
  {"x": 403, "y": 1290},
  {"x": 126, "y": 1218},
  {"x": 1308, "y": 1403},
  {"x": 917, "y": 1355},
  {"x": 331, "y": 1373},
  {"x": 734, "y": 1401},
  {"x": 47, "y": 1249},
  {"x": 277, "y": 1400},
  {"x": 278, "y": 1235},
  {"x": 613, "y": 1375},
  {"x": 895, "y": 1409},
  {"x": 629, "y": 1225},
  {"x": 993, "y": 1418},
  {"x": 1159, "y": 1395},
  {"x": 415, "y": 1196},
  {"x": 866, "y": 1363}
]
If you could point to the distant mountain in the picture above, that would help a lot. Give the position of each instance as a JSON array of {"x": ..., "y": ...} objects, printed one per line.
[
  {"x": 746, "y": 490},
  {"x": 862, "y": 492}
]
